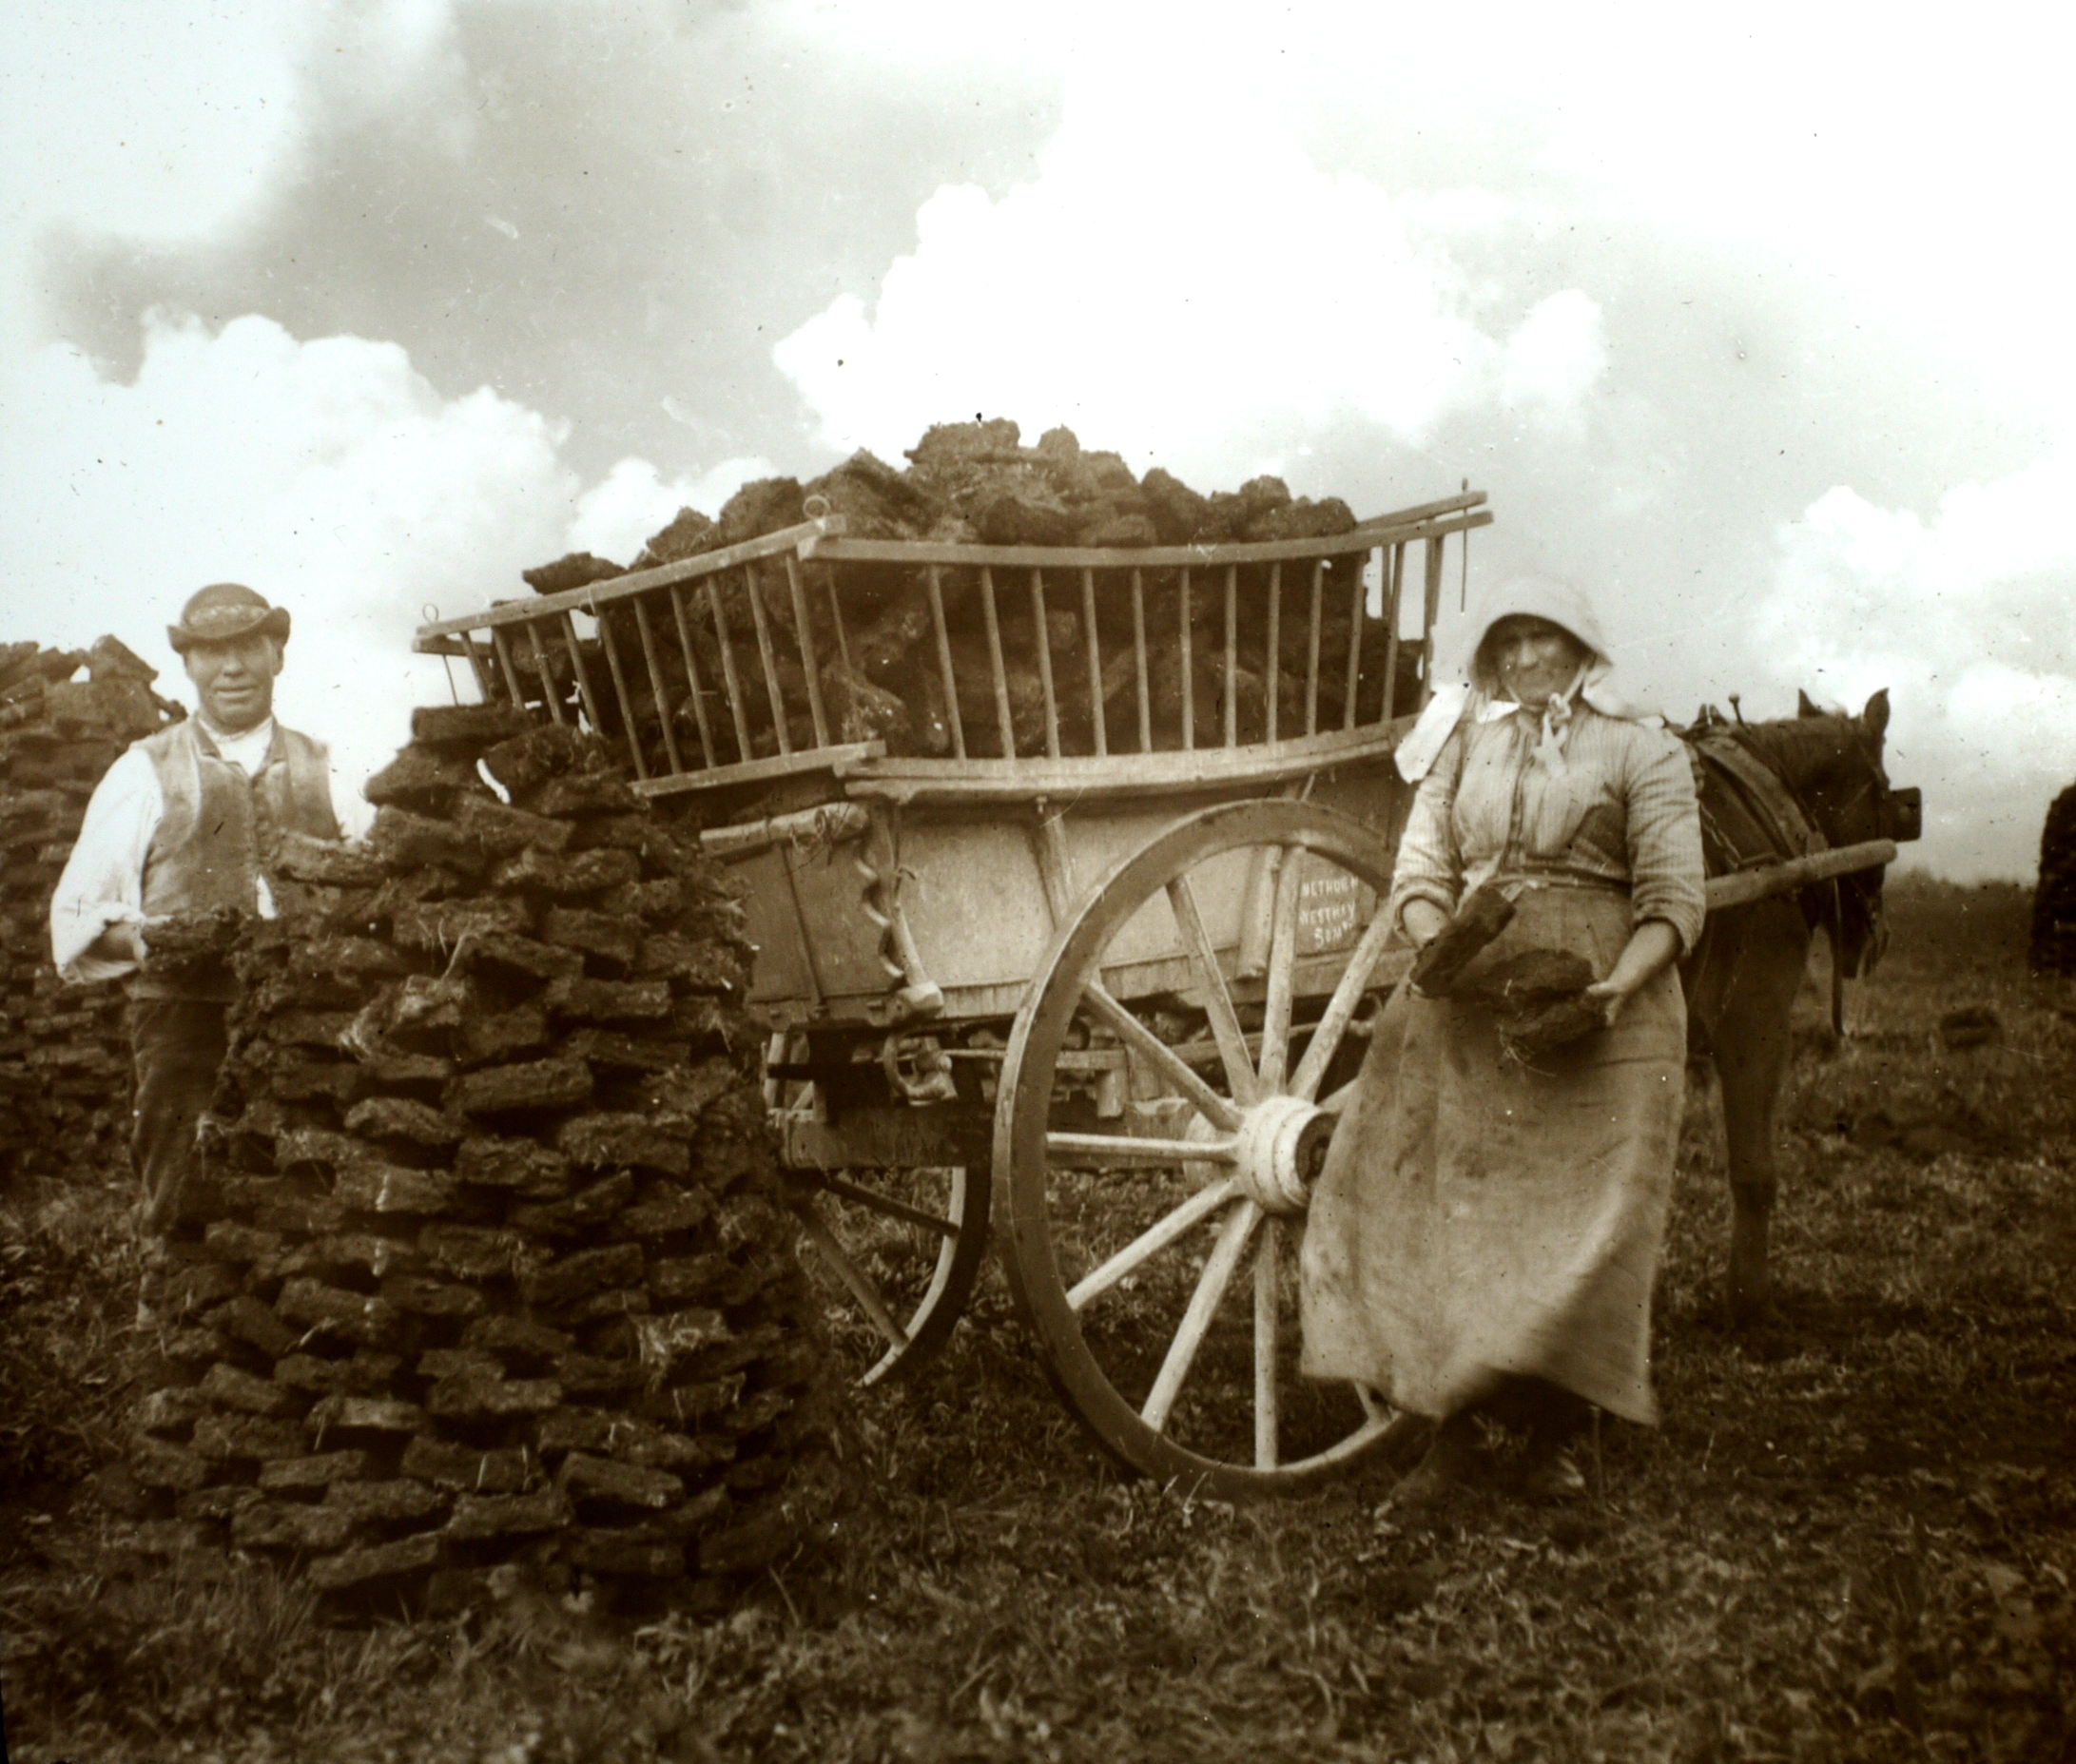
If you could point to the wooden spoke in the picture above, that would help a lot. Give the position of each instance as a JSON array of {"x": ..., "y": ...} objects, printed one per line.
[
  {"x": 692, "y": 672},
  {"x": 1005, "y": 720},
  {"x": 583, "y": 679},
  {"x": 549, "y": 689},
  {"x": 1138, "y": 656},
  {"x": 1276, "y": 1028},
  {"x": 1311, "y": 653},
  {"x": 654, "y": 664},
  {"x": 1105, "y": 1236},
  {"x": 896, "y": 1251},
  {"x": 803, "y": 635},
  {"x": 889, "y": 1206},
  {"x": 849, "y": 1272},
  {"x": 1340, "y": 1010},
  {"x": 1210, "y": 1288},
  {"x": 730, "y": 674},
  {"x": 1212, "y": 1107},
  {"x": 1225, "y": 1022},
  {"x": 1148, "y": 1244},
  {"x": 500, "y": 640},
  {"x": 1186, "y": 663},
  {"x": 769, "y": 656},
  {"x": 1266, "y": 1296},
  {"x": 1121, "y": 1150}
]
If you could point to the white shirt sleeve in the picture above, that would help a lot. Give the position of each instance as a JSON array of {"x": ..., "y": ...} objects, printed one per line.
[
  {"x": 354, "y": 813},
  {"x": 104, "y": 879}
]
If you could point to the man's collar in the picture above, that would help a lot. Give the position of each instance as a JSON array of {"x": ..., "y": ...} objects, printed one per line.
[
  {"x": 263, "y": 727},
  {"x": 214, "y": 733}
]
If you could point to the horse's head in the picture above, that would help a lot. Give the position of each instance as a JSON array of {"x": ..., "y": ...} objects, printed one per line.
[{"x": 1832, "y": 762}]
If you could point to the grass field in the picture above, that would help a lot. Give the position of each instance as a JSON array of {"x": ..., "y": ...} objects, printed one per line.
[{"x": 1854, "y": 1536}]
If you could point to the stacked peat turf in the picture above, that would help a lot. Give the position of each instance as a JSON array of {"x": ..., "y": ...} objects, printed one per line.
[
  {"x": 2053, "y": 948},
  {"x": 64, "y": 1076},
  {"x": 881, "y": 679},
  {"x": 490, "y": 1263}
]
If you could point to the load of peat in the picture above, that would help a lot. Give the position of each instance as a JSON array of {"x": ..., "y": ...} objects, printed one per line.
[
  {"x": 65, "y": 1072},
  {"x": 488, "y": 1261},
  {"x": 2053, "y": 943},
  {"x": 872, "y": 624}
]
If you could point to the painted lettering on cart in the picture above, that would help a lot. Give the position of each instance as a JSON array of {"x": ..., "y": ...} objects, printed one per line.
[{"x": 1330, "y": 910}]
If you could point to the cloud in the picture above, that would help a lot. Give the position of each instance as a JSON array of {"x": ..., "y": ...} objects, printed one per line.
[
  {"x": 328, "y": 474},
  {"x": 156, "y": 123},
  {"x": 1968, "y": 619},
  {"x": 616, "y": 516},
  {"x": 1557, "y": 356},
  {"x": 590, "y": 207},
  {"x": 1203, "y": 295}
]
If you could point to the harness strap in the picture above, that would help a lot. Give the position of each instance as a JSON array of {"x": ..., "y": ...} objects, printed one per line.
[
  {"x": 1767, "y": 798},
  {"x": 1762, "y": 791}
]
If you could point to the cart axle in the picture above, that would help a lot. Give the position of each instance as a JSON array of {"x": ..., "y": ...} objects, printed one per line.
[{"x": 1282, "y": 1145}]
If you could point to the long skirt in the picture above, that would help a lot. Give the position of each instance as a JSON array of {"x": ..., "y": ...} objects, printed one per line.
[{"x": 1479, "y": 1218}]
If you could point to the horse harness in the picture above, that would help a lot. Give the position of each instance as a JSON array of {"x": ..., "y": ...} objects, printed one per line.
[{"x": 1721, "y": 750}]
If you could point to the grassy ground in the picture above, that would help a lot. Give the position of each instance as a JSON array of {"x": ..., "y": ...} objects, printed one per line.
[{"x": 1853, "y": 1538}]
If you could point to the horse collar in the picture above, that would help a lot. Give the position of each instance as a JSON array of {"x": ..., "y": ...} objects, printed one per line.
[{"x": 1773, "y": 801}]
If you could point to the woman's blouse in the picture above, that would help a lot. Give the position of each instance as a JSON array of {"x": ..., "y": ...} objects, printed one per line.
[{"x": 1620, "y": 814}]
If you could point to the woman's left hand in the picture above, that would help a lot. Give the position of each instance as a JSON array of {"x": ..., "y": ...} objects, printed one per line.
[
  {"x": 1652, "y": 948},
  {"x": 1609, "y": 997}
]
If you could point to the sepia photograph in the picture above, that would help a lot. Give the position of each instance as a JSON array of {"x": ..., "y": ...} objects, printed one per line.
[{"x": 899, "y": 883}]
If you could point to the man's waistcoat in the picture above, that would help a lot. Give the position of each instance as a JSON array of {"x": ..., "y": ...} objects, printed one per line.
[{"x": 206, "y": 850}]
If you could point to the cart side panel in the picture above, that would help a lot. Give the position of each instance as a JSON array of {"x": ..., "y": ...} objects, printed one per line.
[
  {"x": 978, "y": 902},
  {"x": 975, "y": 898},
  {"x": 807, "y": 912},
  {"x": 835, "y": 889},
  {"x": 982, "y": 887},
  {"x": 784, "y": 966}
]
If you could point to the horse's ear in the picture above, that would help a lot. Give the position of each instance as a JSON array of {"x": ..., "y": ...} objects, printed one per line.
[
  {"x": 1875, "y": 716},
  {"x": 1803, "y": 708}
]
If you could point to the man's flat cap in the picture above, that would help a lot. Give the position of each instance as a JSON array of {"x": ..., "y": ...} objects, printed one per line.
[{"x": 223, "y": 612}]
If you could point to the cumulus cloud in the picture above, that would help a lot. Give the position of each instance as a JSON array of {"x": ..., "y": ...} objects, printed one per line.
[
  {"x": 1201, "y": 293},
  {"x": 616, "y": 516},
  {"x": 1969, "y": 619},
  {"x": 327, "y": 473},
  {"x": 1556, "y": 356}
]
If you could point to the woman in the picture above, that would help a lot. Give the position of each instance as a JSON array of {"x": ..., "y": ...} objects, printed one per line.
[{"x": 1486, "y": 1232}]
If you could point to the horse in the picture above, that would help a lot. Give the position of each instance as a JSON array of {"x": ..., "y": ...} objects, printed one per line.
[{"x": 1741, "y": 976}]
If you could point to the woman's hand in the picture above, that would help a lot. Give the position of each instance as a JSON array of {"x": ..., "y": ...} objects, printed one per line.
[{"x": 1652, "y": 948}]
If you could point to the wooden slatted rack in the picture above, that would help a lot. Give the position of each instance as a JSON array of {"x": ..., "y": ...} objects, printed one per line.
[{"x": 690, "y": 724}]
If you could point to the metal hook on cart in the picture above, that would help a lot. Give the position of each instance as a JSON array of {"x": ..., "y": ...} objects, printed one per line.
[
  {"x": 814, "y": 513},
  {"x": 917, "y": 1069}
]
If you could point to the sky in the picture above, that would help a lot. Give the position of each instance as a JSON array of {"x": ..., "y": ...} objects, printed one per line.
[{"x": 1753, "y": 323}]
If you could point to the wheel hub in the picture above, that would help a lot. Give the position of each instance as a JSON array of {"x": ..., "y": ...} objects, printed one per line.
[{"x": 1282, "y": 1142}]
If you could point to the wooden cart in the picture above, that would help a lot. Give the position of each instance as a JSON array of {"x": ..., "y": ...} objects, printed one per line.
[{"x": 1097, "y": 973}]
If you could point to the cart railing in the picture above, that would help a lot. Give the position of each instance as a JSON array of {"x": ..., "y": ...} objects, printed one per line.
[{"x": 729, "y": 668}]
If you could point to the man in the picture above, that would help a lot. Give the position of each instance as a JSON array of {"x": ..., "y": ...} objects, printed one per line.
[{"x": 180, "y": 824}]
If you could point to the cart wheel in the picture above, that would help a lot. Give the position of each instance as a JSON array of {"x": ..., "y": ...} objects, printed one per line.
[
  {"x": 1124, "y": 1251},
  {"x": 893, "y": 1255}
]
